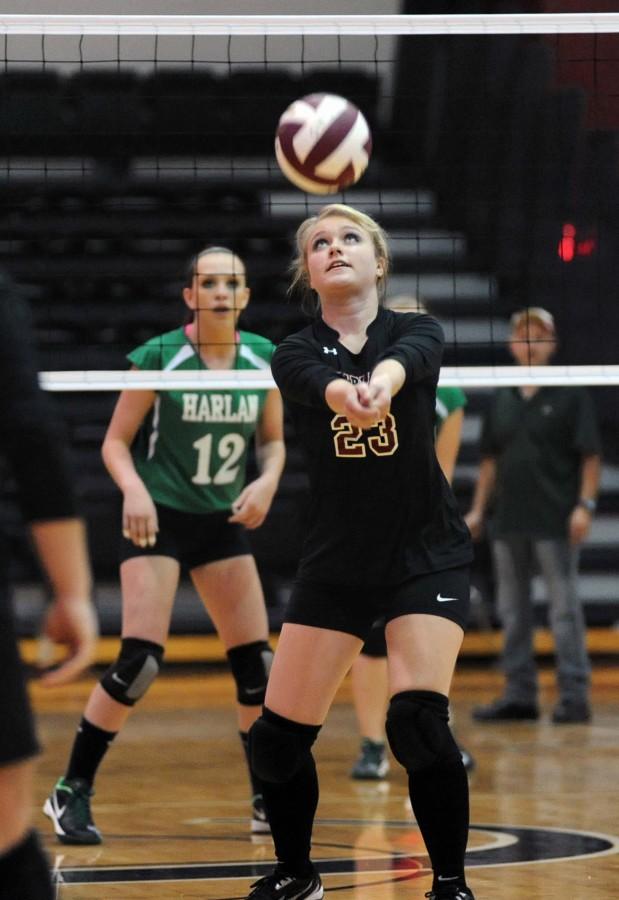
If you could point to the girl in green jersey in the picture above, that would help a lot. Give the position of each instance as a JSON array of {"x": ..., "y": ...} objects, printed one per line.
[{"x": 178, "y": 458}]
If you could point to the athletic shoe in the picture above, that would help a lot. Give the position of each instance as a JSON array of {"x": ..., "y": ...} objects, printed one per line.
[
  {"x": 68, "y": 806},
  {"x": 450, "y": 893},
  {"x": 372, "y": 764},
  {"x": 280, "y": 886},
  {"x": 467, "y": 759},
  {"x": 568, "y": 712},
  {"x": 503, "y": 710},
  {"x": 259, "y": 819}
]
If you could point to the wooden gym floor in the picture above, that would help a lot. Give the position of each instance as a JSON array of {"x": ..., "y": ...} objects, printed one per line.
[{"x": 172, "y": 799}]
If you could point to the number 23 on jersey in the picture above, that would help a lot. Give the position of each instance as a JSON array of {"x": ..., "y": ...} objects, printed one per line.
[{"x": 350, "y": 442}]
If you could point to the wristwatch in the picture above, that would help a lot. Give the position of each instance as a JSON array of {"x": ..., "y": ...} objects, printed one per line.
[{"x": 588, "y": 504}]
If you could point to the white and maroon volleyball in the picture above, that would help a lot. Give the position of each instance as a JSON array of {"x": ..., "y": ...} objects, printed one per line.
[{"x": 323, "y": 143}]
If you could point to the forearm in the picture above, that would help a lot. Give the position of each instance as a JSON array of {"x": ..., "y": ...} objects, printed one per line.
[
  {"x": 270, "y": 458},
  {"x": 391, "y": 373},
  {"x": 485, "y": 486},
  {"x": 61, "y": 547},
  {"x": 590, "y": 477},
  {"x": 119, "y": 463},
  {"x": 337, "y": 393},
  {"x": 448, "y": 442}
]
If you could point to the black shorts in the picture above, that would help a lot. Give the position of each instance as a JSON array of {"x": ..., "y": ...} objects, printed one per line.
[
  {"x": 355, "y": 609},
  {"x": 17, "y": 735},
  {"x": 193, "y": 539}
]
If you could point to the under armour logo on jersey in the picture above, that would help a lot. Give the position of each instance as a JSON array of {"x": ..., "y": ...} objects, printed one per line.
[{"x": 329, "y": 350}]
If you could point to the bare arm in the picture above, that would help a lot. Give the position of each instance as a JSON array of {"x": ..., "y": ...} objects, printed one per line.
[
  {"x": 366, "y": 404},
  {"x": 448, "y": 442},
  {"x": 70, "y": 619},
  {"x": 139, "y": 514},
  {"x": 253, "y": 503},
  {"x": 580, "y": 519},
  {"x": 484, "y": 489}
]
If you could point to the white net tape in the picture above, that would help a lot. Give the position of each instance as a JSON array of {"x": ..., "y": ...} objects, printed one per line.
[
  {"x": 471, "y": 376},
  {"x": 538, "y": 23}
]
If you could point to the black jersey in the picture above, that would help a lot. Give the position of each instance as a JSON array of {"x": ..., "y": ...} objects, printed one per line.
[
  {"x": 28, "y": 435},
  {"x": 381, "y": 510}
]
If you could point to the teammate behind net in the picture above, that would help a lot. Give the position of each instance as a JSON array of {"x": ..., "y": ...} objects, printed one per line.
[
  {"x": 369, "y": 679},
  {"x": 179, "y": 459}
]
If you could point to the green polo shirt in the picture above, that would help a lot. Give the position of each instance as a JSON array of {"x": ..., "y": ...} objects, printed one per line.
[{"x": 538, "y": 445}]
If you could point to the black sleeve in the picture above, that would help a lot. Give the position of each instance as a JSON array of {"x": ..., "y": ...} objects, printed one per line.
[
  {"x": 587, "y": 434},
  {"x": 417, "y": 343},
  {"x": 28, "y": 436},
  {"x": 487, "y": 442},
  {"x": 299, "y": 372}
]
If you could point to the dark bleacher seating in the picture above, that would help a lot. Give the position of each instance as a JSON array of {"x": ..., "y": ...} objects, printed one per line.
[
  {"x": 107, "y": 114},
  {"x": 187, "y": 113},
  {"x": 33, "y": 116}
]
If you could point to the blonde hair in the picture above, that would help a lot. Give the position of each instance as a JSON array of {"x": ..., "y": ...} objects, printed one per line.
[{"x": 378, "y": 236}]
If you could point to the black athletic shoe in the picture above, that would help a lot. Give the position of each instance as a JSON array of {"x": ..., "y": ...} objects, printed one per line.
[
  {"x": 259, "y": 819},
  {"x": 68, "y": 806},
  {"x": 372, "y": 764},
  {"x": 280, "y": 886},
  {"x": 571, "y": 712},
  {"x": 450, "y": 893},
  {"x": 503, "y": 710}
]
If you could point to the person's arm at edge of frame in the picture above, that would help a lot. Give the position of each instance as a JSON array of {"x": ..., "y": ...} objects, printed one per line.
[
  {"x": 70, "y": 618},
  {"x": 253, "y": 503},
  {"x": 484, "y": 489},
  {"x": 35, "y": 449},
  {"x": 582, "y": 514}
]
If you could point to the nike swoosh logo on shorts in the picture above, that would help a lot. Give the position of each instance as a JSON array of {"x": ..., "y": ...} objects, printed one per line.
[
  {"x": 117, "y": 678},
  {"x": 446, "y": 599}
]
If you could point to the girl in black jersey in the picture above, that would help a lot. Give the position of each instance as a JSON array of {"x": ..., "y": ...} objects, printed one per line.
[{"x": 384, "y": 538}]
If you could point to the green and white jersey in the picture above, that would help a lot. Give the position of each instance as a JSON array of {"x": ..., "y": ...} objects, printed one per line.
[
  {"x": 191, "y": 450},
  {"x": 448, "y": 399}
]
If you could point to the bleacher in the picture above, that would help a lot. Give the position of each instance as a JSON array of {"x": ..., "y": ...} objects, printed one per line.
[{"x": 112, "y": 178}]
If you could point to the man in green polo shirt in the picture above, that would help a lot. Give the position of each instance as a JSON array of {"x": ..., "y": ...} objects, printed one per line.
[{"x": 540, "y": 468}]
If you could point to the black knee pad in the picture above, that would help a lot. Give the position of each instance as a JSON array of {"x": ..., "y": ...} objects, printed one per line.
[
  {"x": 137, "y": 666},
  {"x": 250, "y": 665},
  {"x": 418, "y": 730},
  {"x": 278, "y": 747}
]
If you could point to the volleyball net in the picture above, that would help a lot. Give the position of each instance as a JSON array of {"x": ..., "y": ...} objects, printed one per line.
[{"x": 127, "y": 143}]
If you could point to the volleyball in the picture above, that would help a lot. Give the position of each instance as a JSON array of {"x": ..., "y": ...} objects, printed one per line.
[{"x": 323, "y": 143}]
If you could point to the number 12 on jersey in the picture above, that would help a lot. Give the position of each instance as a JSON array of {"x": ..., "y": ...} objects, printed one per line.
[{"x": 229, "y": 450}]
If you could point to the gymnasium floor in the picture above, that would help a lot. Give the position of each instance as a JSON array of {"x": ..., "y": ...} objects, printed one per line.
[{"x": 172, "y": 800}]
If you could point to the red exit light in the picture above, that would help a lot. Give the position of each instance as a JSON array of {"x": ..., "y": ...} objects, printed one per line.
[{"x": 572, "y": 245}]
